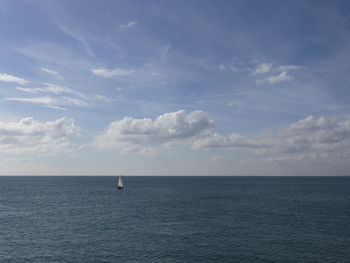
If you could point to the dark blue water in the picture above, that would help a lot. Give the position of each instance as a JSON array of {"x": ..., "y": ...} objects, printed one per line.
[{"x": 175, "y": 219}]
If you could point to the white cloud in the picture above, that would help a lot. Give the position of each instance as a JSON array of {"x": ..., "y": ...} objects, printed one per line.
[
  {"x": 50, "y": 102},
  {"x": 310, "y": 139},
  {"x": 109, "y": 73},
  {"x": 238, "y": 105},
  {"x": 262, "y": 68},
  {"x": 288, "y": 68},
  {"x": 221, "y": 67},
  {"x": 78, "y": 38},
  {"x": 283, "y": 76},
  {"x": 129, "y": 134},
  {"x": 52, "y": 72},
  {"x": 30, "y": 136},
  {"x": 9, "y": 78},
  {"x": 129, "y": 25},
  {"x": 103, "y": 98},
  {"x": 51, "y": 88},
  {"x": 317, "y": 139},
  {"x": 232, "y": 141},
  {"x": 165, "y": 51}
]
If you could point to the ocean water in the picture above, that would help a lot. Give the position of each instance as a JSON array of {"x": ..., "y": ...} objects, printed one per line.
[{"x": 175, "y": 219}]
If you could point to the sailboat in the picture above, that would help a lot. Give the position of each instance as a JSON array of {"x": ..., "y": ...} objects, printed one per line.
[{"x": 120, "y": 183}]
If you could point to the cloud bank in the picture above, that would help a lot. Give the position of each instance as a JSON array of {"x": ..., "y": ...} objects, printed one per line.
[
  {"x": 311, "y": 139},
  {"x": 316, "y": 139}
]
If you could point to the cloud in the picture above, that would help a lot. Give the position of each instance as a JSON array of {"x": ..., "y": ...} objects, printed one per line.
[
  {"x": 50, "y": 102},
  {"x": 9, "y": 78},
  {"x": 317, "y": 139},
  {"x": 232, "y": 141},
  {"x": 283, "y": 76},
  {"x": 288, "y": 68},
  {"x": 237, "y": 105},
  {"x": 165, "y": 51},
  {"x": 103, "y": 98},
  {"x": 109, "y": 73},
  {"x": 30, "y": 136},
  {"x": 262, "y": 68},
  {"x": 129, "y": 134},
  {"x": 51, "y": 88},
  {"x": 78, "y": 38},
  {"x": 129, "y": 25},
  {"x": 324, "y": 139},
  {"x": 52, "y": 72}
]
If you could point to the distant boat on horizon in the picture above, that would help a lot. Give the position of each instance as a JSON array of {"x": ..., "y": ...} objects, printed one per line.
[{"x": 120, "y": 183}]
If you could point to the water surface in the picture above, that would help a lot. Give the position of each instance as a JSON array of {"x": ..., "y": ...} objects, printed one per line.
[{"x": 175, "y": 219}]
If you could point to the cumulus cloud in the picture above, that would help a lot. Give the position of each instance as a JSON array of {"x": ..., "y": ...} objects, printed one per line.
[
  {"x": 313, "y": 134},
  {"x": 262, "y": 68},
  {"x": 283, "y": 76},
  {"x": 308, "y": 139},
  {"x": 9, "y": 78},
  {"x": 109, "y": 73},
  {"x": 232, "y": 141},
  {"x": 129, "y": 25},
  {"x": 316, "y": 139},
  {"x": 30, "y": 136},
  {"x": 130, "y": 133}
]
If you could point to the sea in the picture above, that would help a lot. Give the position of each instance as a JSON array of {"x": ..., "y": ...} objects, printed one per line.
[{"x": 174, "y": 219}]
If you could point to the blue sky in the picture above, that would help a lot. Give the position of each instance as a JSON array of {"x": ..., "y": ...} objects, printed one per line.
[{"x": 174, "y": 87}]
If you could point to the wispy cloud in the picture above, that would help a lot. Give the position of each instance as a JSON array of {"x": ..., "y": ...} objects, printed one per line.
[
  {"x": 78, "y": 38},
  {"x": 288, "y": 68},
  {"x": 103, "y": 98},
  {"x": 129, "y": 25},
  {"x": 52, "y": 72},
  {"x": 109, "y": 73},
  {"x": 55, "y": 103},
  {"x": 237, "y": 105},
  {"x": 262, "y": 68},
  {"x": 165, "y": 51},
  {"x": 283, "y": 76},
  {"x": 9, "y": 78},
  {"x": 51, "y": 88},
  {"x": 266, "y": 68}
]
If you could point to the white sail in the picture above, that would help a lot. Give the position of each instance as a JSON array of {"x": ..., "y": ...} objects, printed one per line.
[{"x": 120, "y": 183}]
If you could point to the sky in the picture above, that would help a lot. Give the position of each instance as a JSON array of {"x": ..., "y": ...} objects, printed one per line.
[{"x": 174, "y": 87}]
